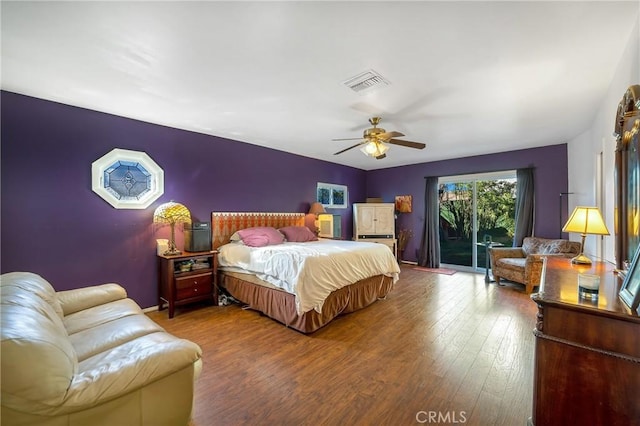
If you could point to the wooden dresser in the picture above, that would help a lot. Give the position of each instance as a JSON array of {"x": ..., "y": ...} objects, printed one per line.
[{"x": 587, "y": 354}]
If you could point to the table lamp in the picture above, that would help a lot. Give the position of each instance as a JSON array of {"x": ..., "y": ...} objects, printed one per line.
[
  {"x": 316, "y": 209},
  {"x": 585, "y": 220},
  {"x": 172, "y": 213}
]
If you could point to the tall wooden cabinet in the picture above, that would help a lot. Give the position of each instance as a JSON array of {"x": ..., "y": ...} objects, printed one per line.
[
  {"x": 587, "y": 354},
  {"x": 375, "y": 222}
]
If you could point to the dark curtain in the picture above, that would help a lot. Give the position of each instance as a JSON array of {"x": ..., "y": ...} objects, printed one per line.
[
  {"x": 524, "y": 206},
  {"x": 429, "y": 255}
]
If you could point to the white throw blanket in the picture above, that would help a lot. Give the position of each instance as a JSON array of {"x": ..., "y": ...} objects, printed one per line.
[{"x": 312, "y": 270}]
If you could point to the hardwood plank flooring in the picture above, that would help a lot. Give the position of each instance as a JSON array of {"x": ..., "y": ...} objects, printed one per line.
[{"x": 450, "y": 347}]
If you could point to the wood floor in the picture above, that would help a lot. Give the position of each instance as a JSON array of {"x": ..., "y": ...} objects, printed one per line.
[{"x": 438, "y": 350}]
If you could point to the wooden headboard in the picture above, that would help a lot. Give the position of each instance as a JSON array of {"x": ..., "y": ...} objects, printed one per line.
[{"x": 224, "y": 224}]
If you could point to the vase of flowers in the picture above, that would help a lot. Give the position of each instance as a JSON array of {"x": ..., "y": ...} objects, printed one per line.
[{"x": 404, "y": 235}]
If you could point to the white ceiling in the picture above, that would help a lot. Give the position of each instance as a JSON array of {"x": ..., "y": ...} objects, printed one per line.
[{"x": 466, "y": 78}]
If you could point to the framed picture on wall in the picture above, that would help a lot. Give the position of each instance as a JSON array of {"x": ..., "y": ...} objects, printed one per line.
[
  {"x": 403, "y": 203},
  {"x": 127, "y": 179},
  {"x": 332, "y": 196},
  {"x": 630, "y": 290}
]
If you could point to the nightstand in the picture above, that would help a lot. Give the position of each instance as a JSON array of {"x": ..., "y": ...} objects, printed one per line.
[{"x": 187, "y": 278}]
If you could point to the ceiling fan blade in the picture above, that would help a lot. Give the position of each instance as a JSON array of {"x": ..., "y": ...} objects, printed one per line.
[
  {"x": 380, "y": 157},
  {"x": 408, "y": 144},
  {"x": 388, "y": 135},
  {"x": 347, "y": 139},
  {"x": 347, "y": 149}
]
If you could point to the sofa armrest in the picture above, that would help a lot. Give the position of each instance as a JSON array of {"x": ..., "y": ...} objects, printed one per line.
[
  {"x": 501, "y": 252},
  {"x": 533, "y": 267},
  {"x": 134, "y": 371},
  {"x": 88, "y": 297},
  {"x": 140, "y": 366}
]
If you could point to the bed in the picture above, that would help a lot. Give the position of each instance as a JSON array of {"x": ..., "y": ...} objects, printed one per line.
[{"x": 327, "y": 278}]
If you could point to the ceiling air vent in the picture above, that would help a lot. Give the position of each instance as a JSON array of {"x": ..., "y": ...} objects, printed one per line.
[{"x": 366, "y": 82}]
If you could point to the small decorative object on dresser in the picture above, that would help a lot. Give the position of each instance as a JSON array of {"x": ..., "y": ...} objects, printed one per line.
[{"x": 630, "y": 290}]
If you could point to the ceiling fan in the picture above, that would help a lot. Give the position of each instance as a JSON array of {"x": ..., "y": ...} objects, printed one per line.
[{"x": 375, "y": 139}]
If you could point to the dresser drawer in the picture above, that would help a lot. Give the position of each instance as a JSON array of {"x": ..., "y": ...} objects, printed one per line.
[{"x": 193, "y": 286}]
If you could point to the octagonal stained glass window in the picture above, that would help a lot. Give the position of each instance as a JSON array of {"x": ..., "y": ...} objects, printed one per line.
[{"x": 127, "y": 179}]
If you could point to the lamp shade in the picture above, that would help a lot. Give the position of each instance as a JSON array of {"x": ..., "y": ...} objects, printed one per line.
[
  {"x": 586, "y": 220},
  {"x": 172, "y": 213},
  {"x": 316, "y": 208}
]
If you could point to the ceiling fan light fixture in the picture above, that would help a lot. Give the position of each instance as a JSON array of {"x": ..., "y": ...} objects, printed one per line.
[
  {"x": 369, "y": 148},
  {"x": 375, "y": 139},
  {"x": 382, "y": 148},
  {"x": 374, "y": 149}
]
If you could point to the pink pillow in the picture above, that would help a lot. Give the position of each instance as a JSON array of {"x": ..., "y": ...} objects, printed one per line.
[
  {"x": 260, "y": 236},
  {"x": 298, "y": 234}
]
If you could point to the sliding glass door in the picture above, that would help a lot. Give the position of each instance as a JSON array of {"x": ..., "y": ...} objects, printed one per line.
[{"x": 475, "y": 209}]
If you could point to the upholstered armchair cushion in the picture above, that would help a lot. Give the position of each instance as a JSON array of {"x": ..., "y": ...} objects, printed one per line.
[{"x": 524, "y": 264}]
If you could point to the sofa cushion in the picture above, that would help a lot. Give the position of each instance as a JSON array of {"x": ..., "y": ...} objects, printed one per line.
[
  {"x": 79, "y": 299},
  {"x": 104, "y": 337},
  {"x": 101, "y": 314},
  {"x": 535, "y": 245},
  {"x": 512, "y": 263}
]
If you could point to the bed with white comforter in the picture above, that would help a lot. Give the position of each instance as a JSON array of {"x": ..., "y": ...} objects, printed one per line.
[{"x": 313, "y": 270}]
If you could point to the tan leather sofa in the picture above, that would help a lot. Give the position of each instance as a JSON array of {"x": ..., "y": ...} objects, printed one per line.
[
  {"x": 89, "y": 357},
  {"x": 524, "y": 264}
]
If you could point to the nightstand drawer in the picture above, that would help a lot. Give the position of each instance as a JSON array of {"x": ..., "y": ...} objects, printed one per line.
[{"x": 193, "y": 286}]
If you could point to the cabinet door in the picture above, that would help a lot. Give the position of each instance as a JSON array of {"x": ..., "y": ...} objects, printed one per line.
[
  {"x": 385, "y": 223},
  {"x": 366, "y": 220}
]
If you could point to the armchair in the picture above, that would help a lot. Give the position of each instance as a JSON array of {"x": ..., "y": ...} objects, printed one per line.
[{"x": 524, "y": 264}]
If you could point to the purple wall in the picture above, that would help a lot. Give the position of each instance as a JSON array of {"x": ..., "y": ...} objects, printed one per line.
[
  {"x": 550, "y": 174},
  {"x": 55, "y": 225}
]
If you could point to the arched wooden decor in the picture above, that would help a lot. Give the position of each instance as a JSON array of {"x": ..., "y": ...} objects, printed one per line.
[{"x": 627, "y": 176}]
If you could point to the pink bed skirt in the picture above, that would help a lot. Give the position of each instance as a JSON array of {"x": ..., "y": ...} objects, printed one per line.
[{"x": 280, "y": 305}]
